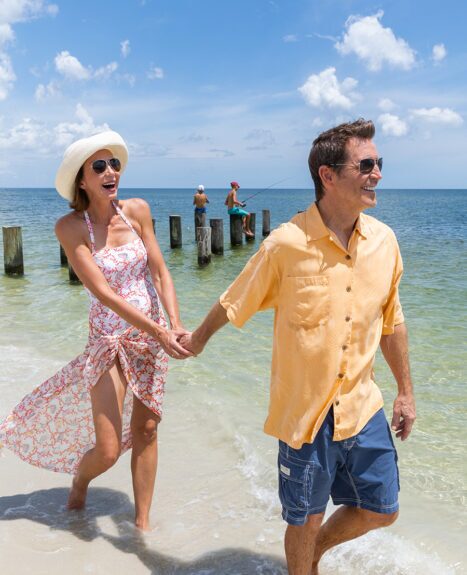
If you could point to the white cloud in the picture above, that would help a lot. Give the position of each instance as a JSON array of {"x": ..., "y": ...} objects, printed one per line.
[
  {"x": 12, "y": 11},
  {"x": 438, "y": 116},
  {"x": 70, "y": 67},
  {"x": 155, "y": 73},
  {"x": 386, "y": 105},
  {"x": 105, "y": 72},
  {"x": 27, "y": 134},
  {"x": 125, "y": 48},
  {"x": 325, "y": 90},
  {"x": 67, "y": 132},
  {"x": 45, "y": 91},
  {"x": 6, "y": 34},
  {"x": 290, "y": 38},
  {"x": 374, "y": 44},
  {"x": 392, "y": 125},
  {"x": 439, "y": 53},
  {"x": 7, "y": 76}
]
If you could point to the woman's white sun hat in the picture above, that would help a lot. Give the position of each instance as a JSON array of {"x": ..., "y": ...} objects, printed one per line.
[{"x": 78, "y": 152}]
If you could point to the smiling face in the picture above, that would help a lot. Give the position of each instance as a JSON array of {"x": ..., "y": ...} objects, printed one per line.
[
  {"x": 353, "y": 189},
  {"x": 100, "y": 186}
]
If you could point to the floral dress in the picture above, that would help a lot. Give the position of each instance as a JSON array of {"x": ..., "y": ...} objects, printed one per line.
[{"x": 52, "y": 427}]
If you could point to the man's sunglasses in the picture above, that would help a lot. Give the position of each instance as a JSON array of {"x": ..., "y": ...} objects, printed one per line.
[
  {"x": 365, "y": 166},
  {"x": 99, "y": 166}
]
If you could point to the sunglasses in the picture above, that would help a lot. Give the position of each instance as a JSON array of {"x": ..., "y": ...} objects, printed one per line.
[
  {"x": 99, "y": 166},
  {"x": 365, "y": 166}
]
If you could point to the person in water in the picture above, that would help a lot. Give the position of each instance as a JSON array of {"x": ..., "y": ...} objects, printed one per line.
[
  {"x": 200, "y": 199},
  {"x": 109, "y": 398}
]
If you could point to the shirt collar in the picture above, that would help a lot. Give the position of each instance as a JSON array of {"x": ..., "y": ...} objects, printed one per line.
[{"x": 316, "y": 229}]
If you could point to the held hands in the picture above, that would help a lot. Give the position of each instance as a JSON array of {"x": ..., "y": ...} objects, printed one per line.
[
  {"x": 403, "y": 416},
  {"x": 192, "y": 342},
  {"x": 170, "y": 341}
]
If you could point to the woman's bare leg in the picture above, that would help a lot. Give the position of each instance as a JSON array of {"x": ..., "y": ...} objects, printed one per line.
[
  {"x": 107, "y": 398},
  {"x": 143, "y": 460}
]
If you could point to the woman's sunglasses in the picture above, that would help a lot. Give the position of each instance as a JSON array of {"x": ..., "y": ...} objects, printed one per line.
[
  {"x": 365, "y": 166},
  {"x": 99, "y": 166}
]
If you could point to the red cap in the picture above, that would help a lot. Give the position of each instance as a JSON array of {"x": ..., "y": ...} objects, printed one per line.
[{"x": 234, "y": 185}]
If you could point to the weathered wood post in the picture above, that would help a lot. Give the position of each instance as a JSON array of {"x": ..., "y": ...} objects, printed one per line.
[
  {"x": 63, "y": 258},
  {"x": 154, "y": 224},
  {"x": 217, "y": 236},
  {"x": 200, "y": 222},
  {"x": 236, "y": 230},
  {"x": 175, "y": 223},
  {"x": 203, "y": 238},
  {"x": 266, "y": 223},
  {"x": 74, "y": 279},
  {"x": 13, "y": 250},
  {"x": 252, "y": 227}
]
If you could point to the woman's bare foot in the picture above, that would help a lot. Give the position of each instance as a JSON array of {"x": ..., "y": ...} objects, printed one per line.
[
  {"x": 77, "y": 495},
  {"x": 143, "y": 524}
]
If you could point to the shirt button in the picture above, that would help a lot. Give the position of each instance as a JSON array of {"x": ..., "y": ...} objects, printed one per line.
[
  {"x": 340, "y": 375},
  {"x": 348, "y": 288},
  {"x": 347, "y": 318},
  {"x": 347, "y": 257},
  {"x": 336, "y": 402},
  {"x": 344, "y": 347}
]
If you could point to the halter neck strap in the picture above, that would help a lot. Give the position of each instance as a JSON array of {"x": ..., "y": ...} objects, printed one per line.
[{"x": 91, "y": 231}]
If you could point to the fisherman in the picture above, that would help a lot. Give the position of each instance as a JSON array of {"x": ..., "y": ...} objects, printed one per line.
[{"x": 235, "y": 208}]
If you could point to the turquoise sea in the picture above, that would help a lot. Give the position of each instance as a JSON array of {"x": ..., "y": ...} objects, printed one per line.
[{"x": 216, "y": 508}]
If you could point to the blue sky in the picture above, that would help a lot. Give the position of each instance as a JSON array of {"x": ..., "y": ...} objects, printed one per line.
[{"x": 209, "y": 91}]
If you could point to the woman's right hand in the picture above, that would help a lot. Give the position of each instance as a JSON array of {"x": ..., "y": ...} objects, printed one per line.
[{"x": 169, "y": 340}]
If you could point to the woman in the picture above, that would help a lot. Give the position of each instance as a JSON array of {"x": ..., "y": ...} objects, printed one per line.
[{"x": 109, "y": 398}]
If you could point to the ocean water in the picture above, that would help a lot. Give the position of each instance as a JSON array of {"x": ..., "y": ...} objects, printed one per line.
[{"x": 216, "y": 508}]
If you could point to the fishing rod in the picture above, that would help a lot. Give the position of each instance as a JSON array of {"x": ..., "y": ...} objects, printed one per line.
[{"x": 263, "y": 190}]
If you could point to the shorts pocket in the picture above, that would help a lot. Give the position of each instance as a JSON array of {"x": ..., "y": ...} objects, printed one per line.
[
  {"x": 307, "y": 300},
  {"x": 295, "y": 483}
]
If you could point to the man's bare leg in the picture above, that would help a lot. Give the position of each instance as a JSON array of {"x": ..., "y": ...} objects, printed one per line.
[
  {"x": 345, "y": 524},
  {"x": 299, "y": 545}
]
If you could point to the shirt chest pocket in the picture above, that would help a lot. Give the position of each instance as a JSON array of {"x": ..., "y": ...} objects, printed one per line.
[{"x": 306, "y": 300}]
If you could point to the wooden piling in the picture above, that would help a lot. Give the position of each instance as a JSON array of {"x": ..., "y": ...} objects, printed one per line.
[
  {"x": 63, "y": 258},
  {"x": 74, "y": 279},
  {"x": 266, "y": 223},
  {"x": 200, "y": 222},
  {"x": 236, "y": 230},
  {"x": 217, "y": 236},
  {"x": 252, "y": 227},
  {"x": 175, "y": 223},
  {"x": 13, "y": 250},
  {"x": 204, "y": 245},
  {"x": 153, "y": 224}
]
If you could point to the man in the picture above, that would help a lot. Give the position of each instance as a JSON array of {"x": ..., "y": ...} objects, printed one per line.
[
  {"x": 332, "y": 276},
  {"x": 235, "y": 208},
  {"x": 200, "y": 199}
]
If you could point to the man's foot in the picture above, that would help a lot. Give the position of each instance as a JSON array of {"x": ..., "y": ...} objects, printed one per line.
[
  {"x": 77, "y": 496},
  {"x": 248, "y": 233}
]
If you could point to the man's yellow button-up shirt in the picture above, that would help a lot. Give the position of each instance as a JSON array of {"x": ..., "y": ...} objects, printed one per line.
[{"x": 332, "y": 304}]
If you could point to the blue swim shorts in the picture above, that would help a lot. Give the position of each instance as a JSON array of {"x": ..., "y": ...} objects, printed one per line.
[
  {"x": 236, "y": 211},
  {"x": 360, "y": 471},
  {"x": 200, "y": 210}
]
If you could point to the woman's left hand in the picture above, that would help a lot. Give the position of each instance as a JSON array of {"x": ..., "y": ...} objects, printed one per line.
[{"x": 173, "y": 346}]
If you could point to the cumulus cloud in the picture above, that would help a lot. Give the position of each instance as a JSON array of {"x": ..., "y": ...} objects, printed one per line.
[
  {"x": 67, "y": 132},
  {"x": 105, "y": 72},
  {"x": 125, "y": 48},
  {"x": 386, "y": 105},
  {"x": 46, "y": 91},
  {"x": 439, "y": 53},
  {"x": 392, "y": 125},
  {"x": 325, "y": 90},
  {"x": 11, "y": 12},
  {"x": 70, "y": 67},
  {"x": 7, "y": 76},
  {"x": 27, "y": 134},
  {"x": 155, "y": 73},
  {"x": 374, "y": 44},
  {"x": 438, "y": 116},
  {"x": 290, "y": 38}
]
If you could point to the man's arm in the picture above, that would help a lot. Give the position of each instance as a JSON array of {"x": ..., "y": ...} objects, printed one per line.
[
  {"x": 395, "y": 348},
  {"x": 216, "y": 318}
]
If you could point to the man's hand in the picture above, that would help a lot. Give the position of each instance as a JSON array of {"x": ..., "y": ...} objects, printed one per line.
[
  {"x": 192, "y": 343},
  {"x": 170, "y": 341},
  {"x": 403, "y": 416}
]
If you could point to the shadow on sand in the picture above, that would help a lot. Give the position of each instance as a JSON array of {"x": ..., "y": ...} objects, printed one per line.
[{"x": 47, "y": 507}]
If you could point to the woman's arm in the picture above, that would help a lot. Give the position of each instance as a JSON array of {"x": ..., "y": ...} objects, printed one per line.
[
  {"x": 69, "y": 232},
  {"x": 160, "y": 274}
]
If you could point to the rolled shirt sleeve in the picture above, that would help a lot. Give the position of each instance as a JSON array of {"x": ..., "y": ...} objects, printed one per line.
[{"x": 254, "y": 289}]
